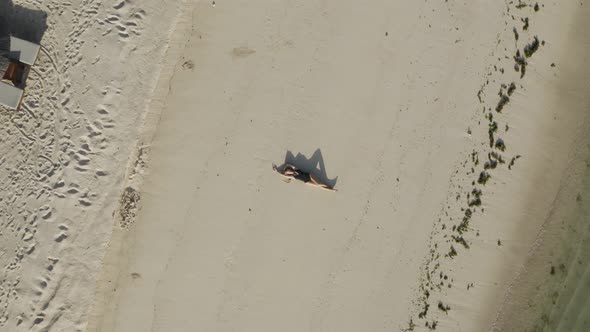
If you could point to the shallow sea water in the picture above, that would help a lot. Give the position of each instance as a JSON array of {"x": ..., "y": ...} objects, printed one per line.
[
  {"x": 570, "y": 299},
  {"x": 562, "y": 302}
]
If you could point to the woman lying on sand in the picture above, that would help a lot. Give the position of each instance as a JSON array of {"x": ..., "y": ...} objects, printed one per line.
[{"x": 292, "y": 172}]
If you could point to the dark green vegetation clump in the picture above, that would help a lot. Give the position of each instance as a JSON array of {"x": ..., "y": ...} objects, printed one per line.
[
  {"x": 526, "y": 23},
  {"x": 483, "y": 177},
  {"x": 512, "y": 161},
  {"x": 495, "y": 156},
  {"x": 476, "y": 201},
  {"x": 519, "y": 58},
  {"x": 503, "y": 101},
  {"x": 511, "y": 88},
  {"x": 452, "y": 253},
  {"x": 431, "y": 325},
  {"x": 531, "y": 48},
  {"x": 464, "y": 225},
  {"x": 443, "y": 307},
  {"x": 492, "y": 164},
  {"x": 410, "y": 327},
  {"x": 461, "y": 240},
  {"x": 500, "y": 145},
  {"x": 424, "y": 311},
  {"x": 492, "y": 128},
  {"x": 520, "y": 64}
]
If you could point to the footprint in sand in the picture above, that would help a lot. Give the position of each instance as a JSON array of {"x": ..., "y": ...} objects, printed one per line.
[
  {"x": 101, "y": 173},
  {"x": 120, "y": 4},
  {"x": 102, "y": 110},
  {"x": 62, "y": 234},
  {"x": 84, "y": 202},
  {"x": 126, "y": 20},
  {"x": 60, "y": 237},
  {"x": 46, "y": 215}
]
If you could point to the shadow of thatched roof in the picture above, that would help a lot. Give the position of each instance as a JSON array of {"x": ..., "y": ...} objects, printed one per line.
[{"x": 25, "y": 23}]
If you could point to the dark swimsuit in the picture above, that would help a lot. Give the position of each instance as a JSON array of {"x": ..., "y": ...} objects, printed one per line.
[{"x": 301, "y": 175}]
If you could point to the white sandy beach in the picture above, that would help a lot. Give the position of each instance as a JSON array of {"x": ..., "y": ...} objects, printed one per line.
[
  {"x": 387, "y": 92},
  {"x": 161, "y": 120},
  {"x": 63, "y": 155}
]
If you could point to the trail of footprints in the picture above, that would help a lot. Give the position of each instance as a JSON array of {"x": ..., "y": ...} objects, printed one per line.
[
  {"x": 45, "y": 288},
  {"x": 125, "y": 20},
  {"x": 46, "y": 151}
]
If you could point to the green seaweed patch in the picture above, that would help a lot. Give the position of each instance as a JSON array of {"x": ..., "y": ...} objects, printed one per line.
[
  {"x": 474, "y": 158},
  {"x": 476, "y": 193},
  {"x": 424, "y": 311},
  {"x": 522, "y": 71},
  {"x": 492, "y": 128},
  {"x": 554, "y": 297},
  {"x": 513, "y": 160},
  {"x": 500, "y": 145},
  {"x": 432, "y": 325},
  {"x": 515, "y": 33},
  {"x": 511, "y": 89},
  {"x": 410, "y": 327},
  {"x": 443, "y": 307},
  {"x": 531, "y": 48},
  {"x": 504, "y": 99},
  {"x": 502, "y": 87},
  {"x": 452, "y": 252},
  {"x": 519, "y": 58},
  {"x": 526, "y": 23},
  {"x": 468, "y": 212},
  {"x": 460, "y": 240},
  {"x": 464, "y": 225},
  {"x": 495, "y": 156},
  {"x": 520, "y": 64},
  {"x": 483, "y": 177},
  {"x": 491, "y": 164},
  {"x": 475, "y": 202}
]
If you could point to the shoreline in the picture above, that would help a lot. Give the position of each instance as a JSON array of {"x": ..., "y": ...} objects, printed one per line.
[
  {"x": 545, "y": 281},
  {"x": 136, "y": 171},
  {"x": 465, "y": 292}
]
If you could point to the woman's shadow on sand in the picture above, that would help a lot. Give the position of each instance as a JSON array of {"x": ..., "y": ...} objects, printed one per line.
[{"x": 314, "y": 165}]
